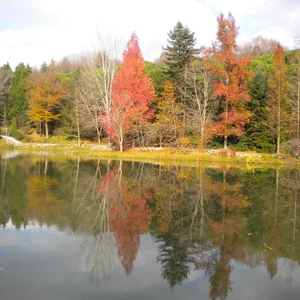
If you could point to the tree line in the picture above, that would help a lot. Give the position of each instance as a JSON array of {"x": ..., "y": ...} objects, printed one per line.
[{"x": 244, "y": 97}]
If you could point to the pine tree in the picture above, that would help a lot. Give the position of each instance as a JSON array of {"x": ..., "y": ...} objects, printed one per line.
[
  {"x": 257, "y": 136},
  {"x": 44, "y": 67},
  {"x": 179, "y": 51},
  {"x": 5, "y": 84},
  {"x": 17, "y": 98}
]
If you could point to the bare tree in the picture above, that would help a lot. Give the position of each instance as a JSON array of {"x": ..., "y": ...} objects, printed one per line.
[
  {"x": 199, "y": 92},
  {"x": 258, "y": 46},
  {"x": 95, "y": 83}
]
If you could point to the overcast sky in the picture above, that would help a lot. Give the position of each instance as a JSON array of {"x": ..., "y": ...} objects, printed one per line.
[{"x": 34, "y": 31}]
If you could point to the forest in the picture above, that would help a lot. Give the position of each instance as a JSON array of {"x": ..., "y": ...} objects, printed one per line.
[{"x": 242, "y": 97}]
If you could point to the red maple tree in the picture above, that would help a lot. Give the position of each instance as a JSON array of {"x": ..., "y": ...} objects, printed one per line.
[
  {"x": 130, "y": 215},
  {"x": 231, "y": 73},
  {"x": 132, "y": 94}
]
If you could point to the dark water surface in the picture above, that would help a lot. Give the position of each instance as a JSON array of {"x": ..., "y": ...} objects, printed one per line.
[{"x": 74, "y": 229}]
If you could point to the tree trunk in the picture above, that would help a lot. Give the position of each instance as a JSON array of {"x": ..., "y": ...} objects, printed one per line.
[
  {"x": 226, "y": 115},
  {"x": 5, "y": 121},
  {"x": 46, "y": 167},
  {"x": 78, "y": 123},
  {"x": 224, "y": 202},
  {"x": 201, "y": 137},
  {"x": 76, "y": 179},
  {"x": 295, "y": 218},
  {"x": 278, "y": 125},
  {"x": 226, "y": 121},
  {"x": 121, "y": 141},
  {"x": 276, "y": 201},
  {"x": 298, "y": 98},
  {"x": 46, "y": 129}
]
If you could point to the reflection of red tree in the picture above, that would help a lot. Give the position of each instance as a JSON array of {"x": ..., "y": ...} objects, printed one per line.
[
  {"x": 129, "y": 219},
  {"x": 130, "y": 215}
]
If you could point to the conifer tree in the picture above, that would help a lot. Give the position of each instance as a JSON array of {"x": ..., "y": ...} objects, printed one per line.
[
  {"x": 44, "y": 67},
  {"x": 179, "y": 51},
  {"x": 17, "y": 98},
  {"x": 257, "y": 136},
  {"x": 5, "y": 84}
]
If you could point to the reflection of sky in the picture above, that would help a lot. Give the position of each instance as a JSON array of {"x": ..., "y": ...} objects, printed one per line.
[{"x": 43, "y": 263}]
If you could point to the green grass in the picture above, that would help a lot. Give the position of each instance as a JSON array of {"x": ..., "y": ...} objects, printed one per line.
[{"x": 167, "y": 156}]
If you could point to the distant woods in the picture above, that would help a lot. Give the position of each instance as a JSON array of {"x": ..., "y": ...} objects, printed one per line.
[{"x": 227, "y": 95}]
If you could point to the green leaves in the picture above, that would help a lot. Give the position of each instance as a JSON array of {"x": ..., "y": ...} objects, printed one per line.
[
  {"x": 17, "y": 99},
  {"x": 180, "y": 50}
]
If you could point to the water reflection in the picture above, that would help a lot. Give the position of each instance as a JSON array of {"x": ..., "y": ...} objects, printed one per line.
[{"x": 200, "y": 219}]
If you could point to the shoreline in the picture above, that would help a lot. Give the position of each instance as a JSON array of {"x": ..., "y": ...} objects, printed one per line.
[{"x": 160, "y": 155}]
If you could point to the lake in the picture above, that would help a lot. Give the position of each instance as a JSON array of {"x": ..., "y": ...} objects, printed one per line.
[{"x": 98, "y": 229}]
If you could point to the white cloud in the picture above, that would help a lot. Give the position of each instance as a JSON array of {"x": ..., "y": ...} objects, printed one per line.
[{"x": 33, "y": 31}]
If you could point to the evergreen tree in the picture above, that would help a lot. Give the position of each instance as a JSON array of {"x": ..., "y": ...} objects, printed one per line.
[
  {"x": 44, "y": 67},
  {"x": 17, "y": 98},
  {"x": 158, "y": 74},
  {"x": 173, "y": 255},
  {"x": 5, "y": 84},
  {"x": 179, "y": 51},
  {"x": 257, "y": 136}
]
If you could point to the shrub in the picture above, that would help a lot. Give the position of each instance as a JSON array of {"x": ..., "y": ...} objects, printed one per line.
[{"x": 16, "y": 134}]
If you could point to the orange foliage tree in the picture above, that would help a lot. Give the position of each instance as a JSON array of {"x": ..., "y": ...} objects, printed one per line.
[
  {"x": 130, "y": 215},
  {"x": 132, "y": 94},
  {"x": 46, "y": 91},
  {"x": 230, "y": 87},
  {"x": 277, "y": 108}
]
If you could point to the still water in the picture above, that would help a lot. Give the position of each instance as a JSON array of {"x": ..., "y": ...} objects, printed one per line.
[{"x": 78, "y": 229}]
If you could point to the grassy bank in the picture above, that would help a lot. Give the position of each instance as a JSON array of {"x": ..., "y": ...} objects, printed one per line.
[{"x": 155, "y": 155}]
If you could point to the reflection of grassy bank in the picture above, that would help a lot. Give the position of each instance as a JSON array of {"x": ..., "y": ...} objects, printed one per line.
[{"x": 165, "y": 156}]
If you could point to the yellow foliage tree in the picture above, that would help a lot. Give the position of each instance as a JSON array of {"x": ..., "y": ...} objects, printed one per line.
[
  {"x": 168, "y": 116},
  {"x": 46, "y": 91}
]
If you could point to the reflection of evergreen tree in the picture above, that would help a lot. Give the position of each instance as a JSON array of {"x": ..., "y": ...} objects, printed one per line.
[
  {"x": 174, "y": 258},
  {"x": 259, "y": 190},
  {"x": 205, "y": 218},
  {"x": 15, "y": 191},
  {"x": 4, "y": 209},
  {"x": 219, "y": 275}
]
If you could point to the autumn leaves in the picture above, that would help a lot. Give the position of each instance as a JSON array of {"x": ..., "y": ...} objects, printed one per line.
[
  {"x": 188, "y": 98},
  {"x": 132, "y": 96}
]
